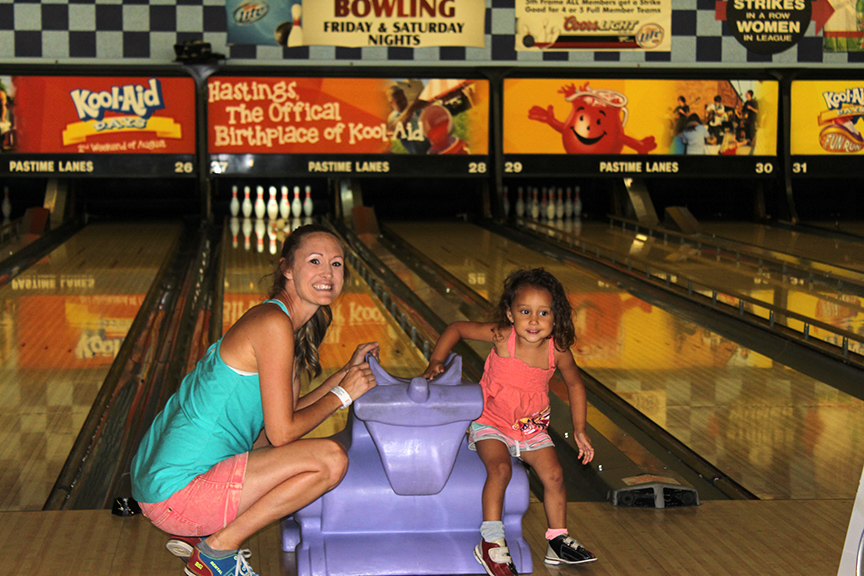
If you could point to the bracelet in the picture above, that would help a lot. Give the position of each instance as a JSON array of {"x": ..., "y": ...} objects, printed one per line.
[{"x": 342, "y": 395}]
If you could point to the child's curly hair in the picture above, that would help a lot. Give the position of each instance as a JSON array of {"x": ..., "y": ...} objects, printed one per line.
[{"x": 563, "y": 331}]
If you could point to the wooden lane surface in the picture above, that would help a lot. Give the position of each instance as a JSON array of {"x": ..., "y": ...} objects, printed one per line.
[
  {"x": 853, "y": 227},
  {"x": 718, "y": 538},
  {"x": 61, "y": 325},
  {"x": 776, "y": 431},
  {"x": 833, "y": 307},
  {"x": 848, "y": 254},
  {"x": 358, "y": 317}
]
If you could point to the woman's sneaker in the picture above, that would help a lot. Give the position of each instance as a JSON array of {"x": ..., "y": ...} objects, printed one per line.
[
  {"x": 202, "y": 565},
  {"x": 182, "y": 546},
  {"x": 495, "y": 558},
  {"x": 566, "y": 550}
]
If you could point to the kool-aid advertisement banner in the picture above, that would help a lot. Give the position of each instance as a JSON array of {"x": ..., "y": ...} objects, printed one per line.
[
  {"x": 608, "y": 116},
  {"x": 826, "y": 117},
  {"x": 347, "y": 116},
  {"x": 692, "y": 120},
  {"x": 101, "y": 115}
]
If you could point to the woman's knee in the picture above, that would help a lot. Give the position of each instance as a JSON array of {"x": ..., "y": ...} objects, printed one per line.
[{"x": 334, "y": 461}]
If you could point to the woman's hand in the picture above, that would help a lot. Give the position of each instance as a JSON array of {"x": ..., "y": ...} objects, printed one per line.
[
  {"x": 359, "y": 356},
  {"x": 358, "y": 380}
]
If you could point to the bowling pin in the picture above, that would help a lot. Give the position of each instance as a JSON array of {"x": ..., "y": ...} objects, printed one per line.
[
  {"x": 307, "y": 203},
  {"x": 234, "y": 206},
  {"x": 260, "y": 231},
  {"x": 296, "y": 204},
  {"x": 295, "y": 37},
  {"x": 260, "y": 207},
  {"x": 271, "y": 233},
  {"x": 520, "y": 204},
  {"x": 235, "y": 229},
  {"x": 559, "y": 204},
  {"x": 535, "y": 206},
  {"x": 272, "y": 204},
  {"x": 568, "y": 203},
  {"x": 247, "y": 233},
  {"x": 284, "y": 205},
  {"x": 247, "y": 203},
  {"x": 7, "y": 205},
  {"x": 550, "y": 207},
  {"x": 506, "y": 203},
  {"x": 577, "y": 204}
]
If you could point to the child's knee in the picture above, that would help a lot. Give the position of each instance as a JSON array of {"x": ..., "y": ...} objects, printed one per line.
[
  {"x": 552, "y": 476},
  {"x": 500, "y": 470}
]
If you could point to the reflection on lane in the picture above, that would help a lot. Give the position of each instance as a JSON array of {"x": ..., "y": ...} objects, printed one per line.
[
  {"x": 786, "y": 292},
  {"x": 777, "y": 432},
  {"x": 798, "y": 243},
  {"x": 62, "y": 323},
  {"x": 358, "y": 317}
]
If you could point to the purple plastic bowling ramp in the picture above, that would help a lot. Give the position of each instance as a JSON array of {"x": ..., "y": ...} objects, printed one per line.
[{"x": 410, "y": 502}]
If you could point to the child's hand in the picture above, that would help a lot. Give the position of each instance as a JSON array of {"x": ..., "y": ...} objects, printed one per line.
[
  {"x": 433, "y": 370},
  {"x": 586, "y": 451}
]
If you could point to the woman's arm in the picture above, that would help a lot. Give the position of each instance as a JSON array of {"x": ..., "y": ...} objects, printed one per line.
[
  {"x": 483, "y": 332},
  {"x": 271, "y": 335},
  {"x": 578, "y": 402}
]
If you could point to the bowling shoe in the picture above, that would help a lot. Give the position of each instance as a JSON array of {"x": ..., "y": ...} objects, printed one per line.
[
  {"x": 202, "y": 565},
  {"x": 182, "y": 546},
  {"x": 495, "y": 558},
  {"x": 565, "y": 550}
]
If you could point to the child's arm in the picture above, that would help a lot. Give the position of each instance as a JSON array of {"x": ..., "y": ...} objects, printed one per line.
[
  {"x": 455, "y": 332},
  {"x": 578, "y": 402}
]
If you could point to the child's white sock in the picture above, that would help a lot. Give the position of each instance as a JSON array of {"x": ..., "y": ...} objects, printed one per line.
[{"x": 492, "y": 530}]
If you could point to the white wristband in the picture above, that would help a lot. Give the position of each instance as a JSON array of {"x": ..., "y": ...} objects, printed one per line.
[{"x": 342, "y": 395}]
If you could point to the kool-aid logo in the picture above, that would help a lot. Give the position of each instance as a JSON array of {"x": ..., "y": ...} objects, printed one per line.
[
  {"x": 849, "y": 97},
  {"x": 249, "y": 13},
  {"x": 840, "y": 134},
  {"x": 135, "y": 99}
]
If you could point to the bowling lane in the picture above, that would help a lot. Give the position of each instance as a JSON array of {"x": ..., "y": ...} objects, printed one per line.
[
  {"x": 814, "y": 301},
  {"x": 844, "y": 253},
  {"x": 853, "y": 227},
  {"x": 358, "y": 315},
  {"x": 62, "y": 323},
  {"x": 774, "y": 430}
]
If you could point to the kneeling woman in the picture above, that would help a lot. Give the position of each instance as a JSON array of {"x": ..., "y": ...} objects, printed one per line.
[{"x": 225, "y": 456}]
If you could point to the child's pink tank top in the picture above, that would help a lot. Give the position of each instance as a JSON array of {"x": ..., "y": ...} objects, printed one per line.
[{"x": 516, "y": 395}]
